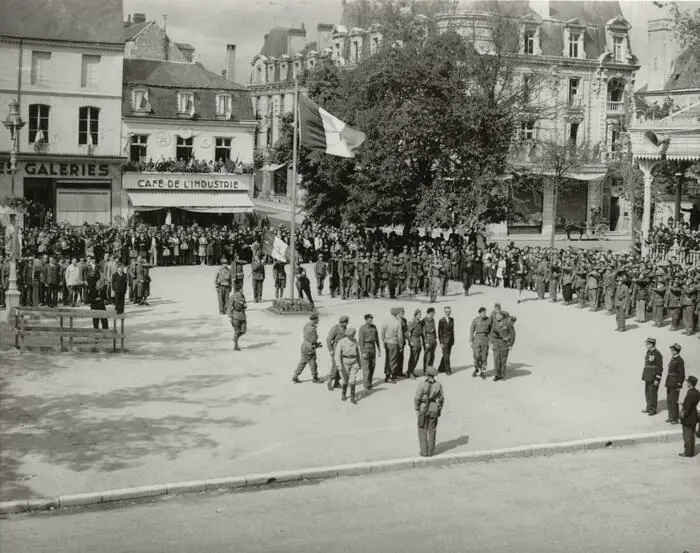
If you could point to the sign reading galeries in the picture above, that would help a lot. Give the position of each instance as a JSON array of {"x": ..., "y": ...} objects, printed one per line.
[{"x": 192, "y": 182}]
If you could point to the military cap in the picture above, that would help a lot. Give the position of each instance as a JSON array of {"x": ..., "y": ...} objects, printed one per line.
[
  {"x": 496, "y": 305},
  {"x": 395, "y": 311},
  {"x": 651, "y": 341},
  {"x": 432, "y": 371},
  {"x": 416, "y": 312},
  {"x": 482, "y": 309},
  {"x": 344, "y": 319},
  {"x": 369, "y": 316},
  {"x": 313, "y": 316},
  {"x": 676, "y": 347},
  {"x": 350, "y": 332}
]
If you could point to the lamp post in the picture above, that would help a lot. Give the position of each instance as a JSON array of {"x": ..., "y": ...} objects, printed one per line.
[{"x": 13, "y": 123}]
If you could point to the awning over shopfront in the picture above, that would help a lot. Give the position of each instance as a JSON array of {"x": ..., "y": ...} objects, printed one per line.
[
  {"x": 274, "y": 167},
  {"x": 200, "y": 202}
]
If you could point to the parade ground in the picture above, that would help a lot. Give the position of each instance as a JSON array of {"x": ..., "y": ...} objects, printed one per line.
[{"x": 181, "y": 405}]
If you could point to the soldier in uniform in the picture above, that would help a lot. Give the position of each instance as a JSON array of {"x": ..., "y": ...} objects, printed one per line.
[
  {"x": 309, "y": 345},
  {"x": 348, "y": 275},
  {"x": 479, "y": 334},
  {"x": 651, "y": 375},
  {"x": 384, "y": 273},
  {"x": 237, "y": 272},
  {"x": 303, "y": 285},
  {"x": 674, "y": 382},
  {"x": 436, "y": 276},
  {"x": 580, "y": 284},
  {"x": 520, "y": 272},
  {"x": 334, "y": 335},
  {"x": 553, "y": 278},
  {"x": 223, "y": 285},
  {"x": 428, "y": 403},
  {"x": 690, "y": 297},
  {"x": 592, "y": 281},
  {"x": 673, "y": 304},
  {"x": 360, "y": 276},
  {"x": 279, "y": 274},
  {"x": 446, "y": 337},
  {"x": 415, "y": 338},
  {"x": 540, "y": 276},
  {"x": 467, "y": 266},
  {"x": 321, "y": 269},
  {"x": 393, "y": 265},
  {"x": 258, "y": 270},
  {"x": 429, "y": 338},
  {"x": 658, "y": 298},
  {"x": 609, "y": 289},
  {"x": 501, "y": 341},
  {"x": 368, "y": 342},
  {"x": 640, "y": 297},
  {"x": 402, "y": 342},
  {"x": 373, "y": 275},
  {"x": 567, "y": 279},
  {"x": 235, "y": 308},
  {"x": 334, "y": 276},
  {"x": 622, "y": 298},
  {"x": 391, "y": 337},
  {"x": 689, "y": 417},
  {"x": 347, "y": 358}
]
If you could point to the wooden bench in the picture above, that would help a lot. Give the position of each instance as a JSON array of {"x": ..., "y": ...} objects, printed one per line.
[{"x": 29, "y": 321}]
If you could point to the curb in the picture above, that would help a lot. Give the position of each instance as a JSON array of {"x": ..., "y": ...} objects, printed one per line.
[{"x": 261, "y": 481}]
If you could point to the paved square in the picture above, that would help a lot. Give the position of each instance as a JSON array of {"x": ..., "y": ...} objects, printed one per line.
[{"x": 181, "y": 405}]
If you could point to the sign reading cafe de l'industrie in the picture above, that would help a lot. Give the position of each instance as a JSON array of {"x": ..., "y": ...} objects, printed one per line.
[{"x": 215, "y": 182}]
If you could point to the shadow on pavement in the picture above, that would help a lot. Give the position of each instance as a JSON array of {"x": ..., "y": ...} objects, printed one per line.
[
  {"x": 515, "y": 370},
  {"x": 443, "y": 447}
]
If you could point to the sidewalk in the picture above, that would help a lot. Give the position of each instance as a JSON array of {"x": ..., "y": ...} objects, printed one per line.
[{"x": 181, "y": 406}]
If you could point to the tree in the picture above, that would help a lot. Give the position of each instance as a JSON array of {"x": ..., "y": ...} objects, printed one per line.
[{"x": 687, "y": 26}]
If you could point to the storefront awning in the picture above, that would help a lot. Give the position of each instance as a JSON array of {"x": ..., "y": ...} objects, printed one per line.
[
  {"x": 274, "y": 167},
  {"x": 201, "y": 202}
]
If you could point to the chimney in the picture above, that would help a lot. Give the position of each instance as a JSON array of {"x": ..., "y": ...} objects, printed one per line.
[
  {"x": 127, "y": 23},
  {"x": 139, "y": 18},
  {"x": 231, "y": 62},
  {"x": 541, "y": 7},
  {"x": 325, "y": 31}
]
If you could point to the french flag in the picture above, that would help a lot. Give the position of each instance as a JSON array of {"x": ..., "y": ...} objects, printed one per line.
[{"x": 319, "y": 130}]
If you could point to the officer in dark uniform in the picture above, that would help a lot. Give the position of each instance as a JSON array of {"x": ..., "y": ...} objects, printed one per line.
[
  {"x": 689, "y": 417},
  {"x": 651, "y": 375},
  {"x": 429, "y": 338},
  {"x": 236, "y": 312},
  {"x": 368, "y": 342},
  {"x": 334, "y": 335},
  {"x": 446, "y": 337},
  {"x": 674, "y": 382},
  {"x": 321, "y": 269},
  {"x": 414, "y": 337},
  {"x": 309, "y": 345}
]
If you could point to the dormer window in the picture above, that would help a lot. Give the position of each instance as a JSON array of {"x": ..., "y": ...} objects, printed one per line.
[
  {"x": 529, "y": 42},
  {"x": 574, "y": 40},
  {"x": 223, "y": 105},
  {"x": 283, "y": 71},
  {"x": 618, "y": 48},
  {"x": 259, "y": 74},
  {"x": 185, "y": 103},
  {"x": 140, "y": 101}
]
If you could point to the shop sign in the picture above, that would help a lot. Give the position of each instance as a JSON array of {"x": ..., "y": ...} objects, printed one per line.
[
  {"x": 192, "y": 182},
  {"x": 58, "y": 169}
]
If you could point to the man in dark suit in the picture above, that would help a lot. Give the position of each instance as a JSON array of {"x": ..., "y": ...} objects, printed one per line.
[
  {"x": 674, "y": 383},
  {"x": 119, "y": 286},
  {"x": 651, "y": 375},
  {"x": 689, "y": 417},
  {"x": 446, "y": 337}
]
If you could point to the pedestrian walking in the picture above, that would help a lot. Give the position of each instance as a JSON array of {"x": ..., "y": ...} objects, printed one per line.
[
  {"x": 334, "y": 336},
  {"x": 415, "y": 342},
  {"x": 689, "y": 417},
  {"x": 446, "y": 337},
  {"x": 391, "y": 331},
  {"x": 347, "y": 358},
  {"x": 674, "y": 382},
  {"x": 501, "y": 341},
  {"x": 428, "y": 403},
  {"x": 651, "y": 375},
  {"x": 429, "y": 338},
  {"x": 222, "y": 283},
  {"x": 368, "y": 342},
  {"x": 235, "y": 310},
  {"x": 479, "y": 334},
  {"x": 309, "y": 345}
]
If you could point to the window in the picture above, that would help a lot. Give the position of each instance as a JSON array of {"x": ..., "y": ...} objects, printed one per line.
[
  {"x": 38, "y": 123},
  {"x": 184, "y": 148},
  {"x": 574, "y": 39},
  {"x": 260, "y": 75},
  {"x": 282, "y": 112},
  {"x": 256, "y": 107},
  {"x": 355, "y": 51},
  {"x": 529, "y": 45},
  {"x": 573, "y": 91},
  {"x": 185, "y": 103},
  {"x": 41, "y": 64},
  {"x": 90, "y": 70},
  {"x": 139, "y": 100},
  {"x": 527, "y": 88},
  {"x": 527, "y": 130},
  {"x": 223, "y": 105},
  {"x": 283, "y": 71},
  {"x": 573, "y": 134},
  {"x": 222, "y": 151},
  {"x": 337, "y": 51},
  {"x": 88, "y": 126},
  {"x": 618, "y": 48},
  {"x": 138, "y": 149}
]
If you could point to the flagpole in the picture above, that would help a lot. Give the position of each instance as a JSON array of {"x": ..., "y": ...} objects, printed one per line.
[{"x": 293, "y": 226}]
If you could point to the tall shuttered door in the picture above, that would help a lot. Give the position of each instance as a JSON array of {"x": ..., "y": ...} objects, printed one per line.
[{"x": 78, "y": 206}]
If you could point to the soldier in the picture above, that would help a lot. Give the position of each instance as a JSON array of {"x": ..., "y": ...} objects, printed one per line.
[
  {"x": 334, "y": 276},
  {"x": 429, "y": 338},
  {"x": 673, "y": 303},
  {"x": 592, "y": 280},
  {"x": 446, "y": 274},
  {"x": 415, "y": 337},
  {"x": 368, "y": 342},
  {"x": 384, "y": 273},
  {"x": 436, "y": 275},
  {"x": 237, "y": 272},
  {"x": 321, "y": 269},
  {"x": 540, "y": 277},
  {"x": 467, "y": 272},
  {"x": 347, "y": 358},
  {"x": 428, "y": 403},
  {"x": 402, "y": 342},
  {"x": 334, "y": 335},
  {"x": 501, "y": 341},
  {"x": 640, "y": 297},
  {"x": 651, "y": 375},
  {"x": 690, "y": 296},
  {"x": 674, "y": 382},
  {"x": 235, "y": 308},
  {"x": 391, "y": 337},
  {"x": 622, "y": 298},
  {"x": 258, "y": 271},
  {"x": 446, "y": 337},
  {"x": 308, "y": 350},
  {"x": 222, "y": 282},
  {"x": 658, "y": 298},
  {"x": 567, "y": 279},
  {"x": 689, "y": 417},
  {"x": 303, "y": 285},
  {"x": 520, "y": 272},
  {"x": 360, "y": 276},
  {"x": 609, "y": 289},
  {"x": 279, "y": 274},
  {"x": 393, "y": 270},
  {"x": 553, "y": 278},
  {"x": 479, "y": 341}
]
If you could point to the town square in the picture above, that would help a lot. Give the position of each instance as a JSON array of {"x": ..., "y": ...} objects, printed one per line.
[{"x": 420, "y": 262}]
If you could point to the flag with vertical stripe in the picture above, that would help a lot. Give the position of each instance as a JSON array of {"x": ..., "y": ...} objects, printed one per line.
[{"x": 320, "y": 130}]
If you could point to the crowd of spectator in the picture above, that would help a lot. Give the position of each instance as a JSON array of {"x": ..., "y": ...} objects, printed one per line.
[{"x": 193, "y": 165}]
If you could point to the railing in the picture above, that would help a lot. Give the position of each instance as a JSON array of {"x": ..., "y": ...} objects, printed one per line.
[
  {"x": 684, "y": 256},
  {"x": 616, "y": 107}
]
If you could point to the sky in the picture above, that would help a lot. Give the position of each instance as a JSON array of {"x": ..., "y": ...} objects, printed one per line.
[{"x": 209, "y": 25}]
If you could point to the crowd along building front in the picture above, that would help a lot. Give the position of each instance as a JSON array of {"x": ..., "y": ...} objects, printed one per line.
[{"x": 66, "y": 76}]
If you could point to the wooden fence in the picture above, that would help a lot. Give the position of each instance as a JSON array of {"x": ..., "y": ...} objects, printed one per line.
[{"x": 684, "y": 256}]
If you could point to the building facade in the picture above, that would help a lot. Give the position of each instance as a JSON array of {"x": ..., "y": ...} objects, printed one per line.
[
  {"x": 188, "y": 133},
  {"x": 63, "y": 64}
]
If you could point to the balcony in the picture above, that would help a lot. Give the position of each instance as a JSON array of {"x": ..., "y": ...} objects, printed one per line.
[
  {"x": 616, "y": 108},
  {"x": 574, "y": 103}
]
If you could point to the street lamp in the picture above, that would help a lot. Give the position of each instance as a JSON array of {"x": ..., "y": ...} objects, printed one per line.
[{"x": 13, "y": 123}]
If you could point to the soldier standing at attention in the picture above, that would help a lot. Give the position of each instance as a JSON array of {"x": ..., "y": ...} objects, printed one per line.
[
  {"x": 236, "y": 312},
  {"x": 446, "y": 337},
  {"x": 334, "y": 277},
  {"x": 415, "y": 337},
  {"x": 321, "y": 269},
  {"x": 553, "y": 276},
  {"x": 651, "y": 375},
  {"x": 592, "y": 281},
  {"x": 689, "y": 417},
  {"x": 429, "y": 338},
  {"x": 334, "y": 335},
  {"x": 279, "y": 273},
  {"x": 690, "y": 296},
  {"x": 428, "y": 404},
  {"x": 640, "y": 296},
  {"x": 435, "y": 278},
  {"x": 622, "y": 299},
  {"x": 501, "y": 341},
  {"x": 479, "y": 341},
  {"x": 347, "y": 358},
  {"x": 674, "y": 383},
  {"x": 368, "y": 342},
  {"x": 258, "y": 268},
  {"x": 223, "y": 285},
  {"x": 673, "y": 303},
  {"x": 308, "y": 350},
  {"x": 237, "y": 272}
]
